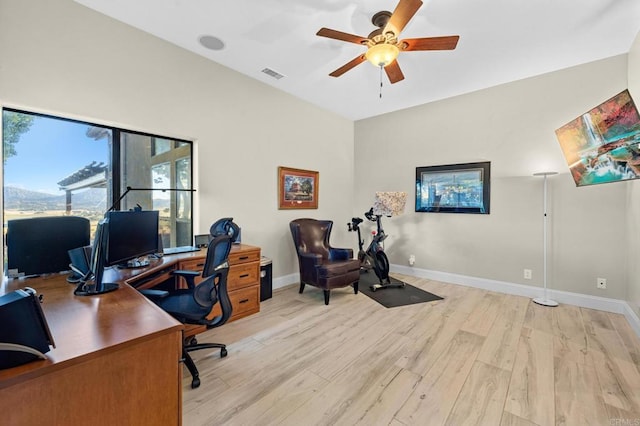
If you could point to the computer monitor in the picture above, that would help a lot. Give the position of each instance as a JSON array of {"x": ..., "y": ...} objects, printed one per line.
[
  {"x": 40, "y": 245},
  {"x": 132, "y": 234},
  {"x": 92, "y": 283},
  {"x": 120, "y": 237}
]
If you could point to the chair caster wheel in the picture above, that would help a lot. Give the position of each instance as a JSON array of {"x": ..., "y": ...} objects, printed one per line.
[
  {"x": 223, "y": 353},
  {"x": 195, "y": 383}
]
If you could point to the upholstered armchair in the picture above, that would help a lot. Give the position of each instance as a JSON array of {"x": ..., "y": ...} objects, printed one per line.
[{"x": 320, "y": 264}]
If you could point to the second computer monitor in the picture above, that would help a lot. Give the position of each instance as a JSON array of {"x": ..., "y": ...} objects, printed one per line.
[{"x": 132, "y": 234}]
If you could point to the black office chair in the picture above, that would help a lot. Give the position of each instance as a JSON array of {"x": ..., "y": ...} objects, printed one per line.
[{"x": 193, "y": 304}]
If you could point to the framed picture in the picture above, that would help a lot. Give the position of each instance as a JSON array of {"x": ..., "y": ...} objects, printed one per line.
[
  {"x": 454, "y": 188},
  {"x": 297, "y": 189},
  {"x": 603, "y": 144}
]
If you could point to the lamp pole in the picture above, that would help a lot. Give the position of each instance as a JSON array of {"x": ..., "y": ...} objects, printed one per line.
[
  {"x": 545, "y": 301},
  {"x": 129, "y": 189}
]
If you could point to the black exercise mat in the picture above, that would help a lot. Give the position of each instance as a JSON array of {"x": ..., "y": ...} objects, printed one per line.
[{"x": 392, "y": 297}]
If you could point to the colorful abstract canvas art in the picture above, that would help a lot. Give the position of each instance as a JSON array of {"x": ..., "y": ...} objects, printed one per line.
[{"x": 601, "y": 145}]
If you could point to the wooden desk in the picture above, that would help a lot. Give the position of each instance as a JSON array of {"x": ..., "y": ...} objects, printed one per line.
[
  {"x": 243, "y": 281},
  {"x": 117, "y": 355},
  {"x": 113, "y": 352}
]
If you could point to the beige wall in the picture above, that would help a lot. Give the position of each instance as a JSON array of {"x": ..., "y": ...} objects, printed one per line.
[
  {"x": 59, "y": 57},
  {"x": 633, "y": 195},
  {"x": 512, "y": 126}
]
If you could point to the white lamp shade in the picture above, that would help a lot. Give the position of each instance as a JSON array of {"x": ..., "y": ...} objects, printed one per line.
[{"x": 389, "y": 203}]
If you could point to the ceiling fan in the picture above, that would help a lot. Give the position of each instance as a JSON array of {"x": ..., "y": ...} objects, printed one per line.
[{"x": 383, "y": 45}]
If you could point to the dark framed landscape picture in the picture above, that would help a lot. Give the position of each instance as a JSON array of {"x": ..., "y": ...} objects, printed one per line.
[
  {"x": 297, "y": 188},
  {"x": 453, "y": 188}
]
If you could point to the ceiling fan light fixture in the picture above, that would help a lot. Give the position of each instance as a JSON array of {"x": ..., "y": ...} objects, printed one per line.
[{"x": 382, "y": 54}]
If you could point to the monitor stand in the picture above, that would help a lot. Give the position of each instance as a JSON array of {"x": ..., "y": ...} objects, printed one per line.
[{"x": 90, "y": 289}]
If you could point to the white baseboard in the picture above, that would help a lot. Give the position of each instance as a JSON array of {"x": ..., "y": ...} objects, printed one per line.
[
  {"x": 576, "y": 299},
  {"x": 632, "y": 318},
  {"x": 286, "y": 280}
]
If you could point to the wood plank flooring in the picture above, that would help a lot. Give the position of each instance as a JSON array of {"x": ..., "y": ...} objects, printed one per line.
[{"x": 474, "y": 358}]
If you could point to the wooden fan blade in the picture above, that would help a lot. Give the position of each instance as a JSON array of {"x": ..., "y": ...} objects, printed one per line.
[
  {"x": 393, "y": 72},
  {"x": 339, "y": 35},
  {"x": 346, "y": 67},
  {"x": 402, "y": 15},
  {"x": 429, "y": 43}
]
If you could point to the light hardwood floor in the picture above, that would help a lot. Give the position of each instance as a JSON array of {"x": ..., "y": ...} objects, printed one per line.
[{"x": 476, "y": 357}]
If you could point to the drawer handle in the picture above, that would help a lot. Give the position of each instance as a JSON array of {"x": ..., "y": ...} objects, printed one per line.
[
  {"x": 244, "y": 275},
  {"x": 243, "y": 257},
  {"x": 199, "y": 265},
  {"x": 244, "y": 301}
]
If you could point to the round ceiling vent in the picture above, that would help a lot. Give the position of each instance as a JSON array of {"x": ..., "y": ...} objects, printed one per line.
[{"x": 211, "y": 42}]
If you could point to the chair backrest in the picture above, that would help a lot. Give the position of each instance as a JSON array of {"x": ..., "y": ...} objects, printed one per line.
[
  {"x": 213, "y": 289},
  {"x": 311, "y": 236},
  {"x": 217, "y": 254}
]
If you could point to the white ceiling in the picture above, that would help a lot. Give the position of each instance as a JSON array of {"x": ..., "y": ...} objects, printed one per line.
[{"x": 500, "y": 41}]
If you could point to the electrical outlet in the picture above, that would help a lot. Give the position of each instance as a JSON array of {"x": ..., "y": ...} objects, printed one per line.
[
  {"x": 527, "y": 274},
  {"x": 412, "y": 259},
  {"x": 601, "y": 283}
]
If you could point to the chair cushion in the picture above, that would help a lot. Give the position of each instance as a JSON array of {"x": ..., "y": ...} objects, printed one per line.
[
  {"x": 333, "y": 269},
  {"x": 337, "y": 274},
  {"x": 183, "y": 307}
]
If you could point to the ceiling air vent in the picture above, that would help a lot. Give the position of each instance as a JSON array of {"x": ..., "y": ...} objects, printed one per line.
[{"x": 272, "y": 73}]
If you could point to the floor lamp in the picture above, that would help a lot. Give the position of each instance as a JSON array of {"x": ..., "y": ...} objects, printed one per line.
[{"x": 545, "y": 300}]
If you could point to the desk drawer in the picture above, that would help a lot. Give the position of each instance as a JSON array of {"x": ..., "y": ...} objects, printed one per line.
[
  {"x": 196, "y": 264},
  {"x": 245, "y": 302},
  {"x": 192, "y": 264},
  {"x": 244, "y": 256},
  {"x": 154, "y": 279},
  {"x": 243, "y": 275}
]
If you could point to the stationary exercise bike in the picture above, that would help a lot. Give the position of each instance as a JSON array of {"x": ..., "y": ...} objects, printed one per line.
[{"x": 374, "y": 257}]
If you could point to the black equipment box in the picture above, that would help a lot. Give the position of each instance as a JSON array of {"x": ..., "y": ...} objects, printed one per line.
[{"x": 22, "y": 322}]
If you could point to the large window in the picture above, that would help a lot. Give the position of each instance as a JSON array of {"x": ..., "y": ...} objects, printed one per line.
[{"x": 55, "y": 166}]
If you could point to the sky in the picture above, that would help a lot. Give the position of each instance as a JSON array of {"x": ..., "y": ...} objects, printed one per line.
[{"x": 43, "y": 157}]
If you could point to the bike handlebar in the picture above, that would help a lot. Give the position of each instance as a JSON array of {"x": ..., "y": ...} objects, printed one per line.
[{"x": 369, "y": 215}]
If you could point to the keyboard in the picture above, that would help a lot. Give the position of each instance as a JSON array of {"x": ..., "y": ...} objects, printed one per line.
[{"x": 180, "y": 249}]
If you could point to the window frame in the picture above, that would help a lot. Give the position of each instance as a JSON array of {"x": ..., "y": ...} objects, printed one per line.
[{"x": 115, "y": 190}]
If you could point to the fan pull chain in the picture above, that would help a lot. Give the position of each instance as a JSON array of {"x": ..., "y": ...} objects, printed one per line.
[{"x": 381, "y": 81}]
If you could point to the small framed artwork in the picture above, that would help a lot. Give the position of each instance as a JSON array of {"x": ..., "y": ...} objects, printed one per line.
[
  {"x": 454, "y": 188},
  {"x": 297, "y": 188}
]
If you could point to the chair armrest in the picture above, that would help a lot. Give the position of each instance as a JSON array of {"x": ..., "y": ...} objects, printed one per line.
[
  {"x": 310, "y": 260},
  {"x": 154, "y": 294},
  {"x": 189, "y": 276},
  {"x": 340, "y": 253},
  {"x": 185, "y": 273}
]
